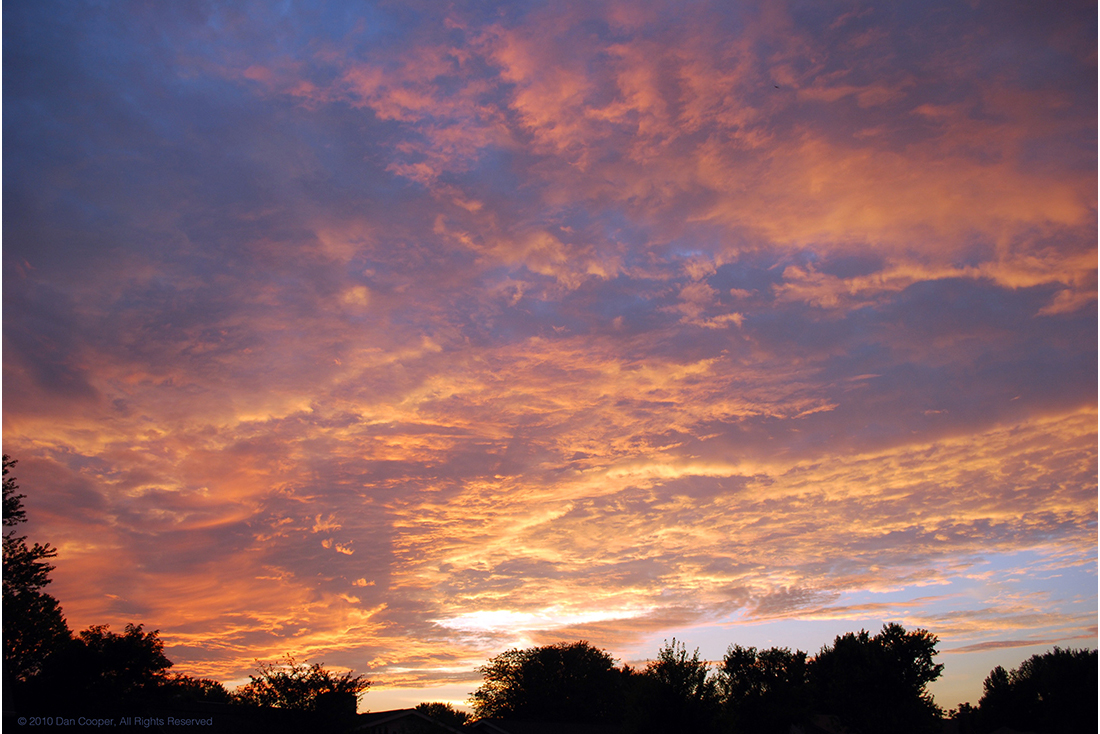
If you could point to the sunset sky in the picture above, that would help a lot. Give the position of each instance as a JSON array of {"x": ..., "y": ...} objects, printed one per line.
[{"x": 396, "y": 334}]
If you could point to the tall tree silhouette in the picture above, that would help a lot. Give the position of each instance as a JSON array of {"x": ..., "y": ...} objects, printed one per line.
[
  {"x": 564, "y": 682},
  {"x": 878, "y": 683},
  {"x": 1052, "y": 692},
  {"x": 674, "y": 693},
  {"x": 34, "y": 627},
  {"x": 766, "y": 691}
]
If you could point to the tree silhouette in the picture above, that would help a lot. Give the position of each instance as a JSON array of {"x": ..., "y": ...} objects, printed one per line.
[
  {"x": 289, "y": 684},
  {"x": 1052, "y": 692},
  {"x": 674, "y": 693},
  {"x": 878, "y": 683},
  {"x": 100, "y": 669},
  {"x": 564, "y": 682},
  {"x": 766, "y": 691},
  {"x": 186, "y": 688},
  {"x": 445, "y": 713},
  {"x": 34, "y": 627}
]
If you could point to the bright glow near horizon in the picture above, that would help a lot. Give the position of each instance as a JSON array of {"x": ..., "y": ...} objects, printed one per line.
[
  {"x": 503, "y": 620},
  {"x": 392, "y": 335}
]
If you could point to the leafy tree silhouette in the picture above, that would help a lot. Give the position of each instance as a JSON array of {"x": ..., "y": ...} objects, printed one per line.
[
  {"x": 112, "y": 667},
  {"x": 766, "y": 691},
  {"x": 1052, "y": 692},
  {"x": 879, "y": 683},
  {"x": 675, "y": 693},
  {"x": 564, "y": 682},
  {"x": 289, "y": 684},
  {"x": 34, "y": 627},
  {"x": 100, "y": 670}
]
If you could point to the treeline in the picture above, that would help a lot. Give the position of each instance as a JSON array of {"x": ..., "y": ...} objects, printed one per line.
[{"x": 862, "y": 683}]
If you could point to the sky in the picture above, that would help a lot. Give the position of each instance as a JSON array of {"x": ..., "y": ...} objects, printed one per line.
[{"x": 393, "y": 335}]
